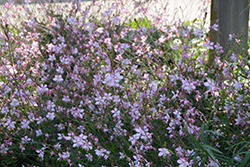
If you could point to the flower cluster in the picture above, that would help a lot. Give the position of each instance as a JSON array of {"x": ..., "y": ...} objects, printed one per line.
[{"x": 79, "y": 90}]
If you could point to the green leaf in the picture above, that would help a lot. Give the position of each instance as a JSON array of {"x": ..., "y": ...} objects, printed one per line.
[
  {"x": 211, "y": 155},
  {"x": 212, "y": 148},
  {"x": 204, "y": 140}
]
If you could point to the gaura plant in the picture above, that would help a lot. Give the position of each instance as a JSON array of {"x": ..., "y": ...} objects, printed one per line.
[{"x": 85, "y": 90}]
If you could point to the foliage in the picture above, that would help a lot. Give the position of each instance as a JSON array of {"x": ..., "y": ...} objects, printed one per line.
[
  {"x": 137, "y": 23},
  {"x": 98, "y": 93}
]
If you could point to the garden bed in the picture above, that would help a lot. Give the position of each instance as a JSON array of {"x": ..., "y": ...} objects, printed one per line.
[{"x": 77, "y": 92}]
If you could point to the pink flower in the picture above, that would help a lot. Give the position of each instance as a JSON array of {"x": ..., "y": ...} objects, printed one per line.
[
  {"x": 77, "y": 141},
  {"x": 59, "y": 70},
  {"x": 25, "y": 139},
  {"x": 134, "y": 138},
  {"x": 102, "y": 153},
  {"x": 57, "y": 146},
  {"x": 215, "y": 27},
  {"x": 163, "y": 152},
  {"x": 89, "y": 157},
  {"x": 58, "y": 78},
  {"x": 64, "y": 155},
  {"x": 52, "y": 57},
  {"x": 50, "y": 116},
  {"x": 116, "y": 113},
  {"x": 162, "y": 39},
  {"x": 25, "y": 124},
  {"x": 72, "y": 20},
  {"x": 22, "y": 147},
  {"x": 183, "y": 162},
  {"x": 50, "y": 105},
  {"x": 66, "y": 98},
  {"x": 212, "y": 163},
  {"x": 42, "y": 88},
  {"x": 188, "y": 85},
  {"x": 39, "y": 132},
  {"x": 41, "y": 153}
]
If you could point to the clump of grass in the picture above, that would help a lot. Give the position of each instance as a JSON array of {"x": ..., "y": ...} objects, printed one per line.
[{"x": 81, "y": 91}]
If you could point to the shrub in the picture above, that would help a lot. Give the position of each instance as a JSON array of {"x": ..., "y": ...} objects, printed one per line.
[
  {"x": 137, "y": 23},
  {"x": 78, "y": 92}
]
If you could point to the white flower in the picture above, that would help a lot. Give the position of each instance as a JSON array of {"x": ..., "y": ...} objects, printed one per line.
[
  {"x": 66, "y": 98},
  {"x": 100, "y": 30},
  {"x": 212, "y": 164},
  {"x": 11, "y": 125},
  {"x": 230, "y": 37},
  {"x": 75, "y": 51},
  {"x": 25, "y": 139},
  {"x": 61, "y": 136},
  {"x": 116, "y": 113},
  {"x": 134, "y": 138},
  {"x": 57, "y": 146},
  {"x": 6, "y": 90},
  {"x": 162, "y": 39},
  {"x": 39, "y": 120},
  {"x": 39, "y": 132},
  {"x": 3, "y": 148},
  {"x": 64, "y": 155},
  {"x": 65, "y": 60},
  {"x": 77, "y": 141},
  {"x": 50, "y": 116},
  {"x": 58, "y": 78},
  {"x": 116, "y": 19},
  {"x": 50, "y": 105},
  {"x": 60, "y": 70},
  {"x": 52, "y": 57},
  {"x": 122, "y": 155},
  {"x": 183, "y": 162},
  {"x": 60, "y": 127},
  {"x": 41, "y": 153},
  {"x": 102, "y": 153},
  {"x": 89, "y": 156},
  {"x": 42, "y": 88},
  {"x": 163, "y": 152},
  {"x": 22, "y": 147}
]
